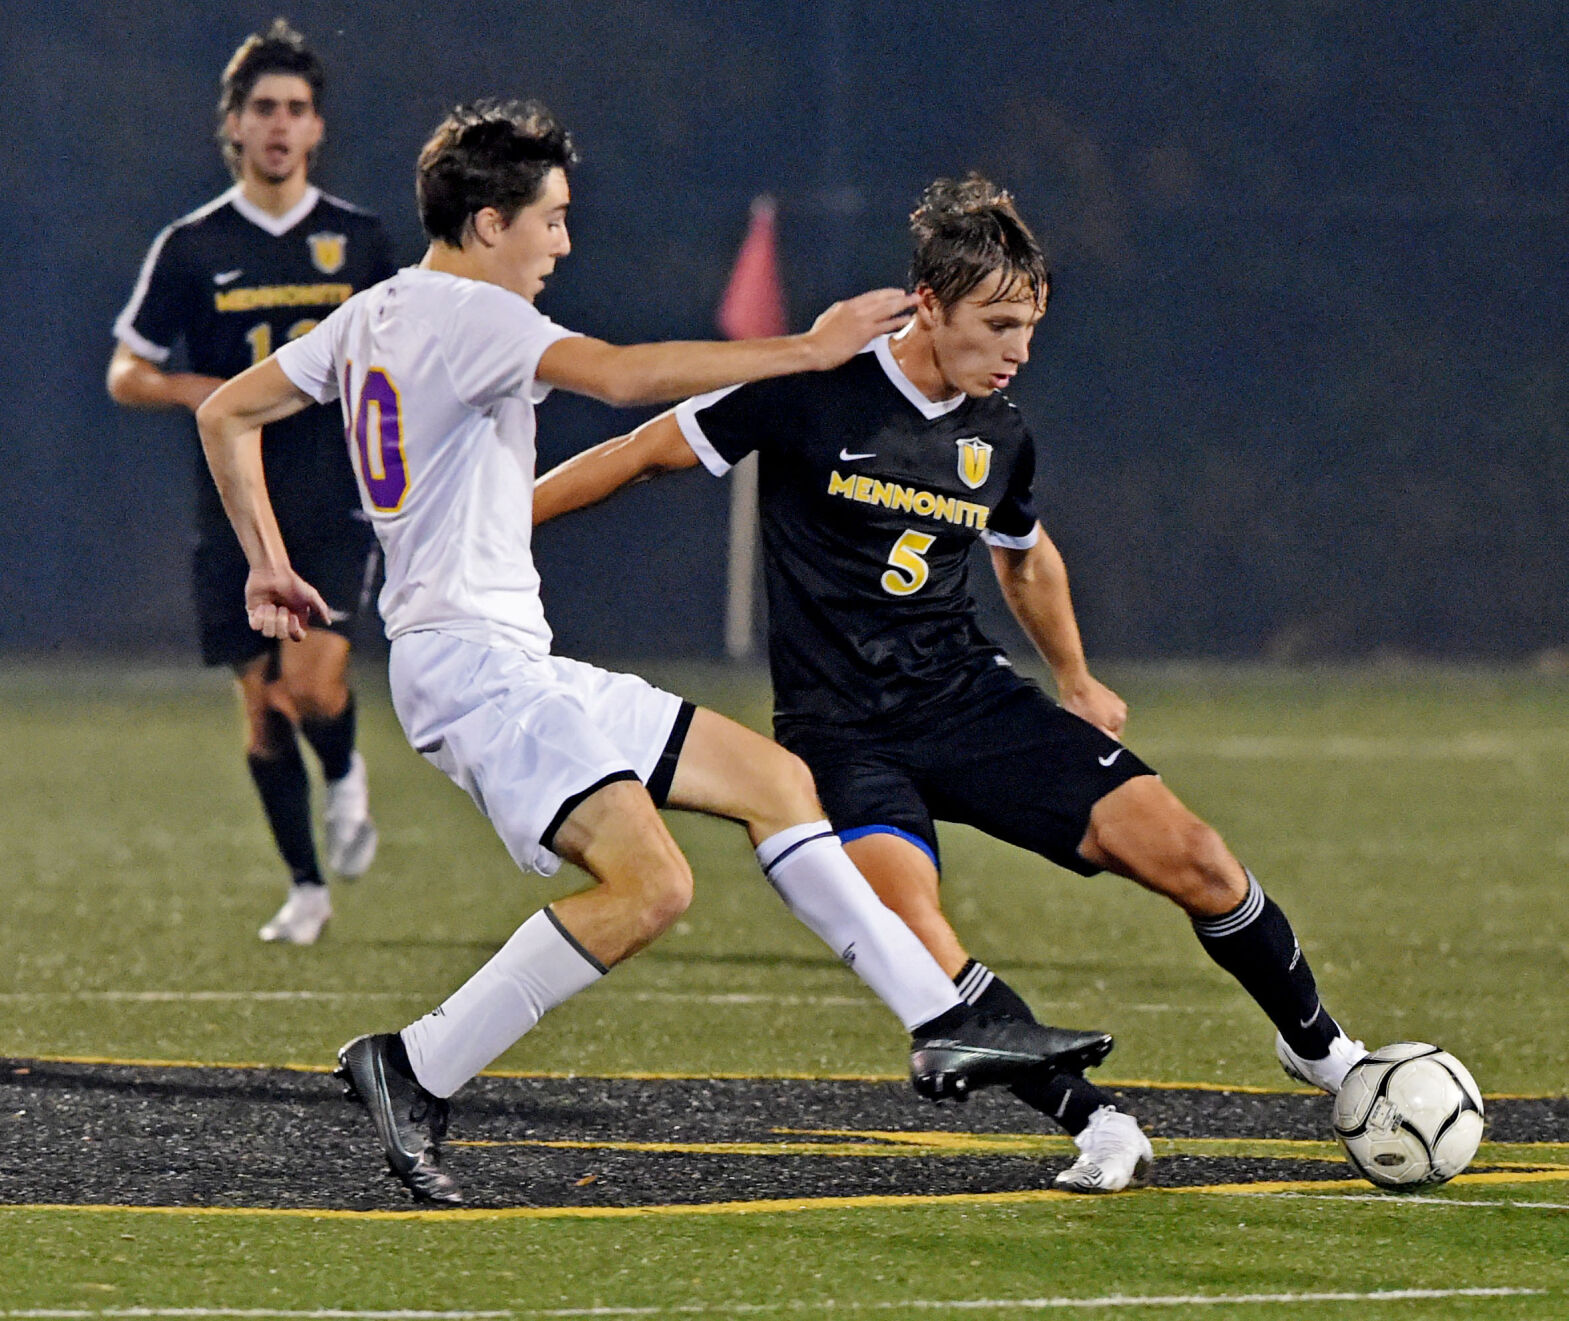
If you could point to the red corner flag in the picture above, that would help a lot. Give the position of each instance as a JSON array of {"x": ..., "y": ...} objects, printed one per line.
[{"x": 753, "y": 305}]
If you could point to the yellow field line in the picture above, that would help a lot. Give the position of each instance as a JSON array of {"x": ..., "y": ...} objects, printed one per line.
[
  {"x": 638, "y": 1075},
  {"x": 880, "y": 1201},
  {"x": 886, "y": 1144}
]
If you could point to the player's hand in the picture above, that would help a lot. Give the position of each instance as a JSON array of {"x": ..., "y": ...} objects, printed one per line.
[
  {"x": 1090, "y": 699},
  {"x": 846, "y": 328},
  {"x": 279, "y": 603}
]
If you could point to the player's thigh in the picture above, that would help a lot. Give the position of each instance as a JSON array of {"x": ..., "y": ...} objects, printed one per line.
[
  {"x": 314, "y": 672},
  {"x": 728, "y": 770},
  {"x": 1025, "y": 771},
  {"x": 1143, "y": 831},
  {"x": 510, "y": 730},
  {"x": 616, "y": 835}
]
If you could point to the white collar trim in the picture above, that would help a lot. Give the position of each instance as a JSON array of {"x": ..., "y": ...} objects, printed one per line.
[
  {"x": 274, "y": 225},
  {"x": 930, "y": 410}
]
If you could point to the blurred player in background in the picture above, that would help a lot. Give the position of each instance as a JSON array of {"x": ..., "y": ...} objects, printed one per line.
[
  {"x": 254, "y": 268},
  {"x": 875, "y": 481},
  {"x": 439, "y": 370}
]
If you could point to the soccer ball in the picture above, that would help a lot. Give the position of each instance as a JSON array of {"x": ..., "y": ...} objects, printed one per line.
[{"x": 1409, "y": 1116}]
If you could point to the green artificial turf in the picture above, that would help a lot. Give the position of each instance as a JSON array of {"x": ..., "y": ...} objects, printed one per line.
[{"x": 1413, "y": 823}]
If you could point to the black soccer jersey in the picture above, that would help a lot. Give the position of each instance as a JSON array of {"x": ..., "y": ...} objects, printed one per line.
[
  {"x": 871, "y": 497},
  {"x": 234, "y": 283}
]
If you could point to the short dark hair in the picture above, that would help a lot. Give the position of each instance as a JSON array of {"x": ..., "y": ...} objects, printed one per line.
[
  {"x": 280, "y": 50},
  {"x": 490, "y": 153},
  {"x": 966, "y": 229}
]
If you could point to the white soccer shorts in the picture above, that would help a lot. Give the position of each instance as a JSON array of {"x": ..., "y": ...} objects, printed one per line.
[{"x": 527, "y": 738}]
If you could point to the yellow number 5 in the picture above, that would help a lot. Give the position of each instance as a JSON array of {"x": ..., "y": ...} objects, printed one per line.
[{"x": 910, "y": 571}]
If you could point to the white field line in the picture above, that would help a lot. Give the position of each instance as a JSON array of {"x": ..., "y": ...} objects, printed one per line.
[
  {"x": 1410, "y": 1199},
  {"x": 204, "y": 997},
  {"x": 798, "y": 1305},
  {"x": 866, "y": 1001}
]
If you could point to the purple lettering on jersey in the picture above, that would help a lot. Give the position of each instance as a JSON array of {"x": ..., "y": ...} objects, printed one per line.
[{"x": 380, "y": 444}]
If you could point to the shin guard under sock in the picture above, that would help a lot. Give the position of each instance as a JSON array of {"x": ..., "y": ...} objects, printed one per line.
[
  {"x": 332, "y": 739},
  {"x": 1256, "y": 945},
  {"x": 285, "y": 791},
  {"x": 541, "y": 965}
]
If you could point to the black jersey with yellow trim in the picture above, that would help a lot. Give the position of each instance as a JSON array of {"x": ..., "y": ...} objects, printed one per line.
[
  {"x": 232, "y": 283},
  {"x": 871, "y": 497}
]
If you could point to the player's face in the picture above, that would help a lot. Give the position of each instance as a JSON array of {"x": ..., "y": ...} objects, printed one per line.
[
  {"x": 276, "y": 129},
  {"x": 982, "y": 340},
  {"x": 536, "y": 240}
]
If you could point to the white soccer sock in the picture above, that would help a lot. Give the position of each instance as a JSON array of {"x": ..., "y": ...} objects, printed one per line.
[
  {"x": 538, "y": 968},
  {"x": 815, "y": 877}
]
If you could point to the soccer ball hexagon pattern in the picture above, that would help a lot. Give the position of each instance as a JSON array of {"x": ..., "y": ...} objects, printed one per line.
[{"x": 1409, "y": 1116}]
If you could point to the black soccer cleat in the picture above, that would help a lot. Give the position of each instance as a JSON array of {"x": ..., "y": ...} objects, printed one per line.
[
  {"x": 987, "y": 1050},
  {"x": 409, "y": 1120}
]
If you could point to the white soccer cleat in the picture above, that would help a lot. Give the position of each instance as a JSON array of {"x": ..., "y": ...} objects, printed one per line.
[
  {"x": 351, "y": 834},
  {"x": 1114, "y": 1154},
  {"x": 300, "y": 920},
  {"x": 1326, "y": 1074}
]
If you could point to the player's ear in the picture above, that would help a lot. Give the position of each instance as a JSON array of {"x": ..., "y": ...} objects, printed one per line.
[
  {"x": 928, "y": 307},
  {"x": 487, "y": 224}
]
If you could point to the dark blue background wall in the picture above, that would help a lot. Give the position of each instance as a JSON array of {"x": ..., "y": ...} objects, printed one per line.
[{"x": 1301, "y": 391}]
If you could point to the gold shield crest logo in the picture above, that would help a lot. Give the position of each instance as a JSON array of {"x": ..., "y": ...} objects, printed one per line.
[
  {"x": 328, "y": 252},
  {"x": 975, "y": 461}
]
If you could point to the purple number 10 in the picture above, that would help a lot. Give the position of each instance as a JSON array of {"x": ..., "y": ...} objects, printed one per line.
[{"x": 379, "y": 442}]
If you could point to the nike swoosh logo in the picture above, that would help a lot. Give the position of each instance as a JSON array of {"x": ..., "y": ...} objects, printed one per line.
[
  {"x": 381, "y": 1087},
  {"x": 1110, "y": 757},
  {"x": 1313, "y": 1017},
  {"x": 846, "y": 457},
  {"x": 228, "y": 277}
]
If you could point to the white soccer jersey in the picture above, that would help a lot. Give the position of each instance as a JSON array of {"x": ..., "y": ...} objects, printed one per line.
[{"x": 436, "y": 375}]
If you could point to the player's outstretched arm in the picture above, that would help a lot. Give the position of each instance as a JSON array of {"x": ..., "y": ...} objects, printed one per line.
[
  {"x": 596, "y": 474},
  {"x": 138, "y": 383},
  {"x": 278, "y": 601},
  {"x": 631, "y": 374},
  {"x": 1035, "y": 585}
]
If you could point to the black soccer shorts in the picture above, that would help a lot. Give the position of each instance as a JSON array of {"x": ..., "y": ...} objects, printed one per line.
[
  {"x": 342, "y": 567},
  {"x": 1015, "y": 765}
]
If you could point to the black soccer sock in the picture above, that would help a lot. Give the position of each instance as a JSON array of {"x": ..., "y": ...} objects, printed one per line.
[
  {"x": 285, "y": 792},
  {"x": 1255, "y": 944},
  {"x": 1068, "y": 1098},
  {"x": 332, "y": 738}
]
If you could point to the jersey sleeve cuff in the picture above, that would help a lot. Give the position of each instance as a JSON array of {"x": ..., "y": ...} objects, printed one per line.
[
  {"x": 538, "y": 390},
  {"x": 692, "y": 431},
  {"x": 140, "y": 345},
  {"x": 1012, "y": 543},
  {"x": 300, "y": 378}
]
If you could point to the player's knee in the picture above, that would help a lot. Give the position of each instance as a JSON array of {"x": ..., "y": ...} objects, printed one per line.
[
  {"x": 664, "y": 894},
  {"x": 268, "y": 732},
  {"x": 796, "y": 789},
  {"x": 319, "y": 699}
]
